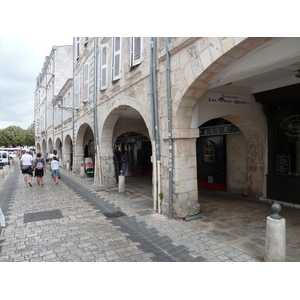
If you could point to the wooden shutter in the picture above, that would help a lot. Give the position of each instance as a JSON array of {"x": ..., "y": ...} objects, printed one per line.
[
  {"x": 116, "y": 58},
  {"x": 85, "y": 82},
  {"x": 136, "y": 51},
  {"x": 103, "y": 67}
]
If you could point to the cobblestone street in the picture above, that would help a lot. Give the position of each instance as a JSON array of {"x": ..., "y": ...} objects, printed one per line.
[{"x": 77, "y": 221}]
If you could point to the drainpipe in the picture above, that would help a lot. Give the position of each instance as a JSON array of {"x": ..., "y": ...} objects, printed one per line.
[
  {"x": 155, "y": 124},
  {"x": 73, "y": 88},
  {"x": 169, "y": 129},
  {"x": 96, "y": 143}
]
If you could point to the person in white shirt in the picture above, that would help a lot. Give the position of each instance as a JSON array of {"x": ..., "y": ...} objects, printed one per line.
[
  {"x": 26, "y": 166},
  {"x": 55, "y": 169}
]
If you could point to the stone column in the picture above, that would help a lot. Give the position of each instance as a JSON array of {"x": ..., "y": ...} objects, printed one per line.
[{"x": 185, "y": 188}]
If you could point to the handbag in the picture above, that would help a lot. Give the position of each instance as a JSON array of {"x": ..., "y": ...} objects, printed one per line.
[{"x": 24, "y": 167}]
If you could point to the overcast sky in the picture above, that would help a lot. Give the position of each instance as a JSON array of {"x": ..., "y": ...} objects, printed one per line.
[{"x": 21, "y": 61}]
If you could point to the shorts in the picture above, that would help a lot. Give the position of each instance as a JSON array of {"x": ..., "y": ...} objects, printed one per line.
[
  {"x": 55, "y": 173},
  {"x": 27, "y": 171}
]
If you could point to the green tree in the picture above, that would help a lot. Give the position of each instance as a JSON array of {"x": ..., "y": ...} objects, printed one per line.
[
  {"x": 29, "y": 135},
  {"x": 14, "y": 136}
]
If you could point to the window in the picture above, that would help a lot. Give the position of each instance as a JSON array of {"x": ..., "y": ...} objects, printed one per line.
[
  {"x": 76, "y": 91},
  {"x": 85, "y": 82},
  {"x": 287, "y": 139},
  {"x": 136, "y": 51},
  {"x": 103, "y": 67},
  {"x": 209, "y": 152},
  {"x": 116, "y": 68}
]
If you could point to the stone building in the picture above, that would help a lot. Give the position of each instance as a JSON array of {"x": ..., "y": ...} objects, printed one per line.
[
  {"x": 191, "y": 112},
  {"x": 57, "y": 68}
]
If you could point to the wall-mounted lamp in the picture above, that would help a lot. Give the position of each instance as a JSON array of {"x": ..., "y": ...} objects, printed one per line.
[{"x": 66, "y": 108}]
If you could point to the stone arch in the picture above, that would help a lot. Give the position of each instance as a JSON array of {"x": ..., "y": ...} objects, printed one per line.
[
  {"x": 44, "y": 147},
  {"x": 84, "y": 135},
  {"x": 38, "y": 148},
  {"x": 50, "y": 144},
  {"x": 186, "y": 99},
  {"x": 68, "y": 153},
  {"x": 58, "y": 148},
  {"x": 120, "y": 120}
]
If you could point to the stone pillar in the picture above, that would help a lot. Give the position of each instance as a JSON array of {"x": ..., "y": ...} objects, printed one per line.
[
  {"x": 275, "y": 245},
  {"x": 185, "y": 187}
]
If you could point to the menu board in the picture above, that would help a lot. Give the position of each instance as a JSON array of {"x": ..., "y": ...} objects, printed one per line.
[{"x": 282, "y": 164}]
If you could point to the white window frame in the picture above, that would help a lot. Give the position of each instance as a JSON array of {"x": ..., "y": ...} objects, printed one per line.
[
  {"x": 77, "y": 92},
  {"x": 77, "y": 47},
  {"x": 103, "y": 67},
  {"x": 116, "y": 72},
  {"x": 85, "y": 71},
  {"x": 136, "y": 52}
]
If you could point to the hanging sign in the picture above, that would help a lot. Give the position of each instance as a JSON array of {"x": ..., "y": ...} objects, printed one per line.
[{"x": 228, "y": 99}]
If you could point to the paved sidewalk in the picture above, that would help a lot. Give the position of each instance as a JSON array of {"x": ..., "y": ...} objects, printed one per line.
[{"x": 98, "y": 224}]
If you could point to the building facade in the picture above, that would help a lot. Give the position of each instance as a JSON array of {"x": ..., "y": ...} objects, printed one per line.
[{"x": 191, "y": 112}]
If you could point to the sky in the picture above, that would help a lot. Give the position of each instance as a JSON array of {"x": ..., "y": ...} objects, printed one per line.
[
  {"x": 27, "y": 38},
  {"x": 21, "y": 61}
]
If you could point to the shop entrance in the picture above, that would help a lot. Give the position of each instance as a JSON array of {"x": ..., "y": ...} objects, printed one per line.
[
  {"x": 212, "y": 154},
  {"x": 139, "y": 151}
]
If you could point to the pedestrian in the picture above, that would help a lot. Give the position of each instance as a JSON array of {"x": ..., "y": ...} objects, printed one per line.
[
  {"x": 39, "y": 169},
  {"x": 126, "y": 165},
  {"x": 55, "y": 169},
  {"x": 50, "y": 158},
  {"x": 26, "y": 166}
]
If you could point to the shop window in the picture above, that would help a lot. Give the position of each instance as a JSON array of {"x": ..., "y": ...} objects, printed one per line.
[
  {"x": 209, "y": 152},
  {"x": 287, "y": 140}
]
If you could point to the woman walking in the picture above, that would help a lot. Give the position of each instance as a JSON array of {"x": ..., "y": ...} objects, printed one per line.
[
  {"x": 39, "y": 169},
  {"x": 55, "y": 169}
]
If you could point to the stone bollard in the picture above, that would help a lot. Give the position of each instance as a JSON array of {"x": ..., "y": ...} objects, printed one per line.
[
  {"x": 1, "y": 173},
  {"x": 121, "y": 183},
  {"x": 275, "y": 245},
  {"x": 82, "y": 172},
  {"x": 68, "y": 166},
  {"x": 5, "y": 170}
]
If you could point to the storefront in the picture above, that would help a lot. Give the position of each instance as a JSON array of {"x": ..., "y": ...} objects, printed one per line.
[
  {"x": 212, "y": 153},
  {"x": 282, "y": 108}
]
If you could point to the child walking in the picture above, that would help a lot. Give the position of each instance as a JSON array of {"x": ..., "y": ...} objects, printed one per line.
[{"x": 55, "y": 169}]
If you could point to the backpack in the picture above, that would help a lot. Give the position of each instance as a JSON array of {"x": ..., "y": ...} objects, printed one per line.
[{"x": 40, "y": 165}]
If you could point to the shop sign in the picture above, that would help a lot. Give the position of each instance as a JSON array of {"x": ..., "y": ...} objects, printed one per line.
[
  {"x": 228, "y": 99},
  {"x": 291, "y": 126},
  {"x": 219, "y": 130}
]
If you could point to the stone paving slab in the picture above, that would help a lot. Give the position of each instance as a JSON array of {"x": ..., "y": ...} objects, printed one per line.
[{"x": 85, "y": 233}]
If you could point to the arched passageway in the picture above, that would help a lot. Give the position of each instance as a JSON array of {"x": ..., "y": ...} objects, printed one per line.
[
  {"x": 125, "y": 130},
  {"x": 84, "y": 150}
]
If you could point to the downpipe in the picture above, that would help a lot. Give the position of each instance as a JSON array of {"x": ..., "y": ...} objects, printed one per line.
[{"x": 170, "y": 125}]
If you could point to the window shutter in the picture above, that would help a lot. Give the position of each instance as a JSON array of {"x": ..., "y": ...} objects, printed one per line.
[
  {"x": 117, "y": 58},
  {"x": 77, "y": 47},
  {"x": 76, "y": 96},
  {"x": 85, "y": 82},
  {"x": 103, "y": 67},
  {"x": 136, "y": 56}
]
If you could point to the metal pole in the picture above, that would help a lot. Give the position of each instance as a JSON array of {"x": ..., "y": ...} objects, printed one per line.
[{"x": 169, "y": 129}]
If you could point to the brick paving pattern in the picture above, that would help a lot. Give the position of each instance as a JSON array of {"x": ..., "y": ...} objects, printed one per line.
[{"x": 99, "y": 225}]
